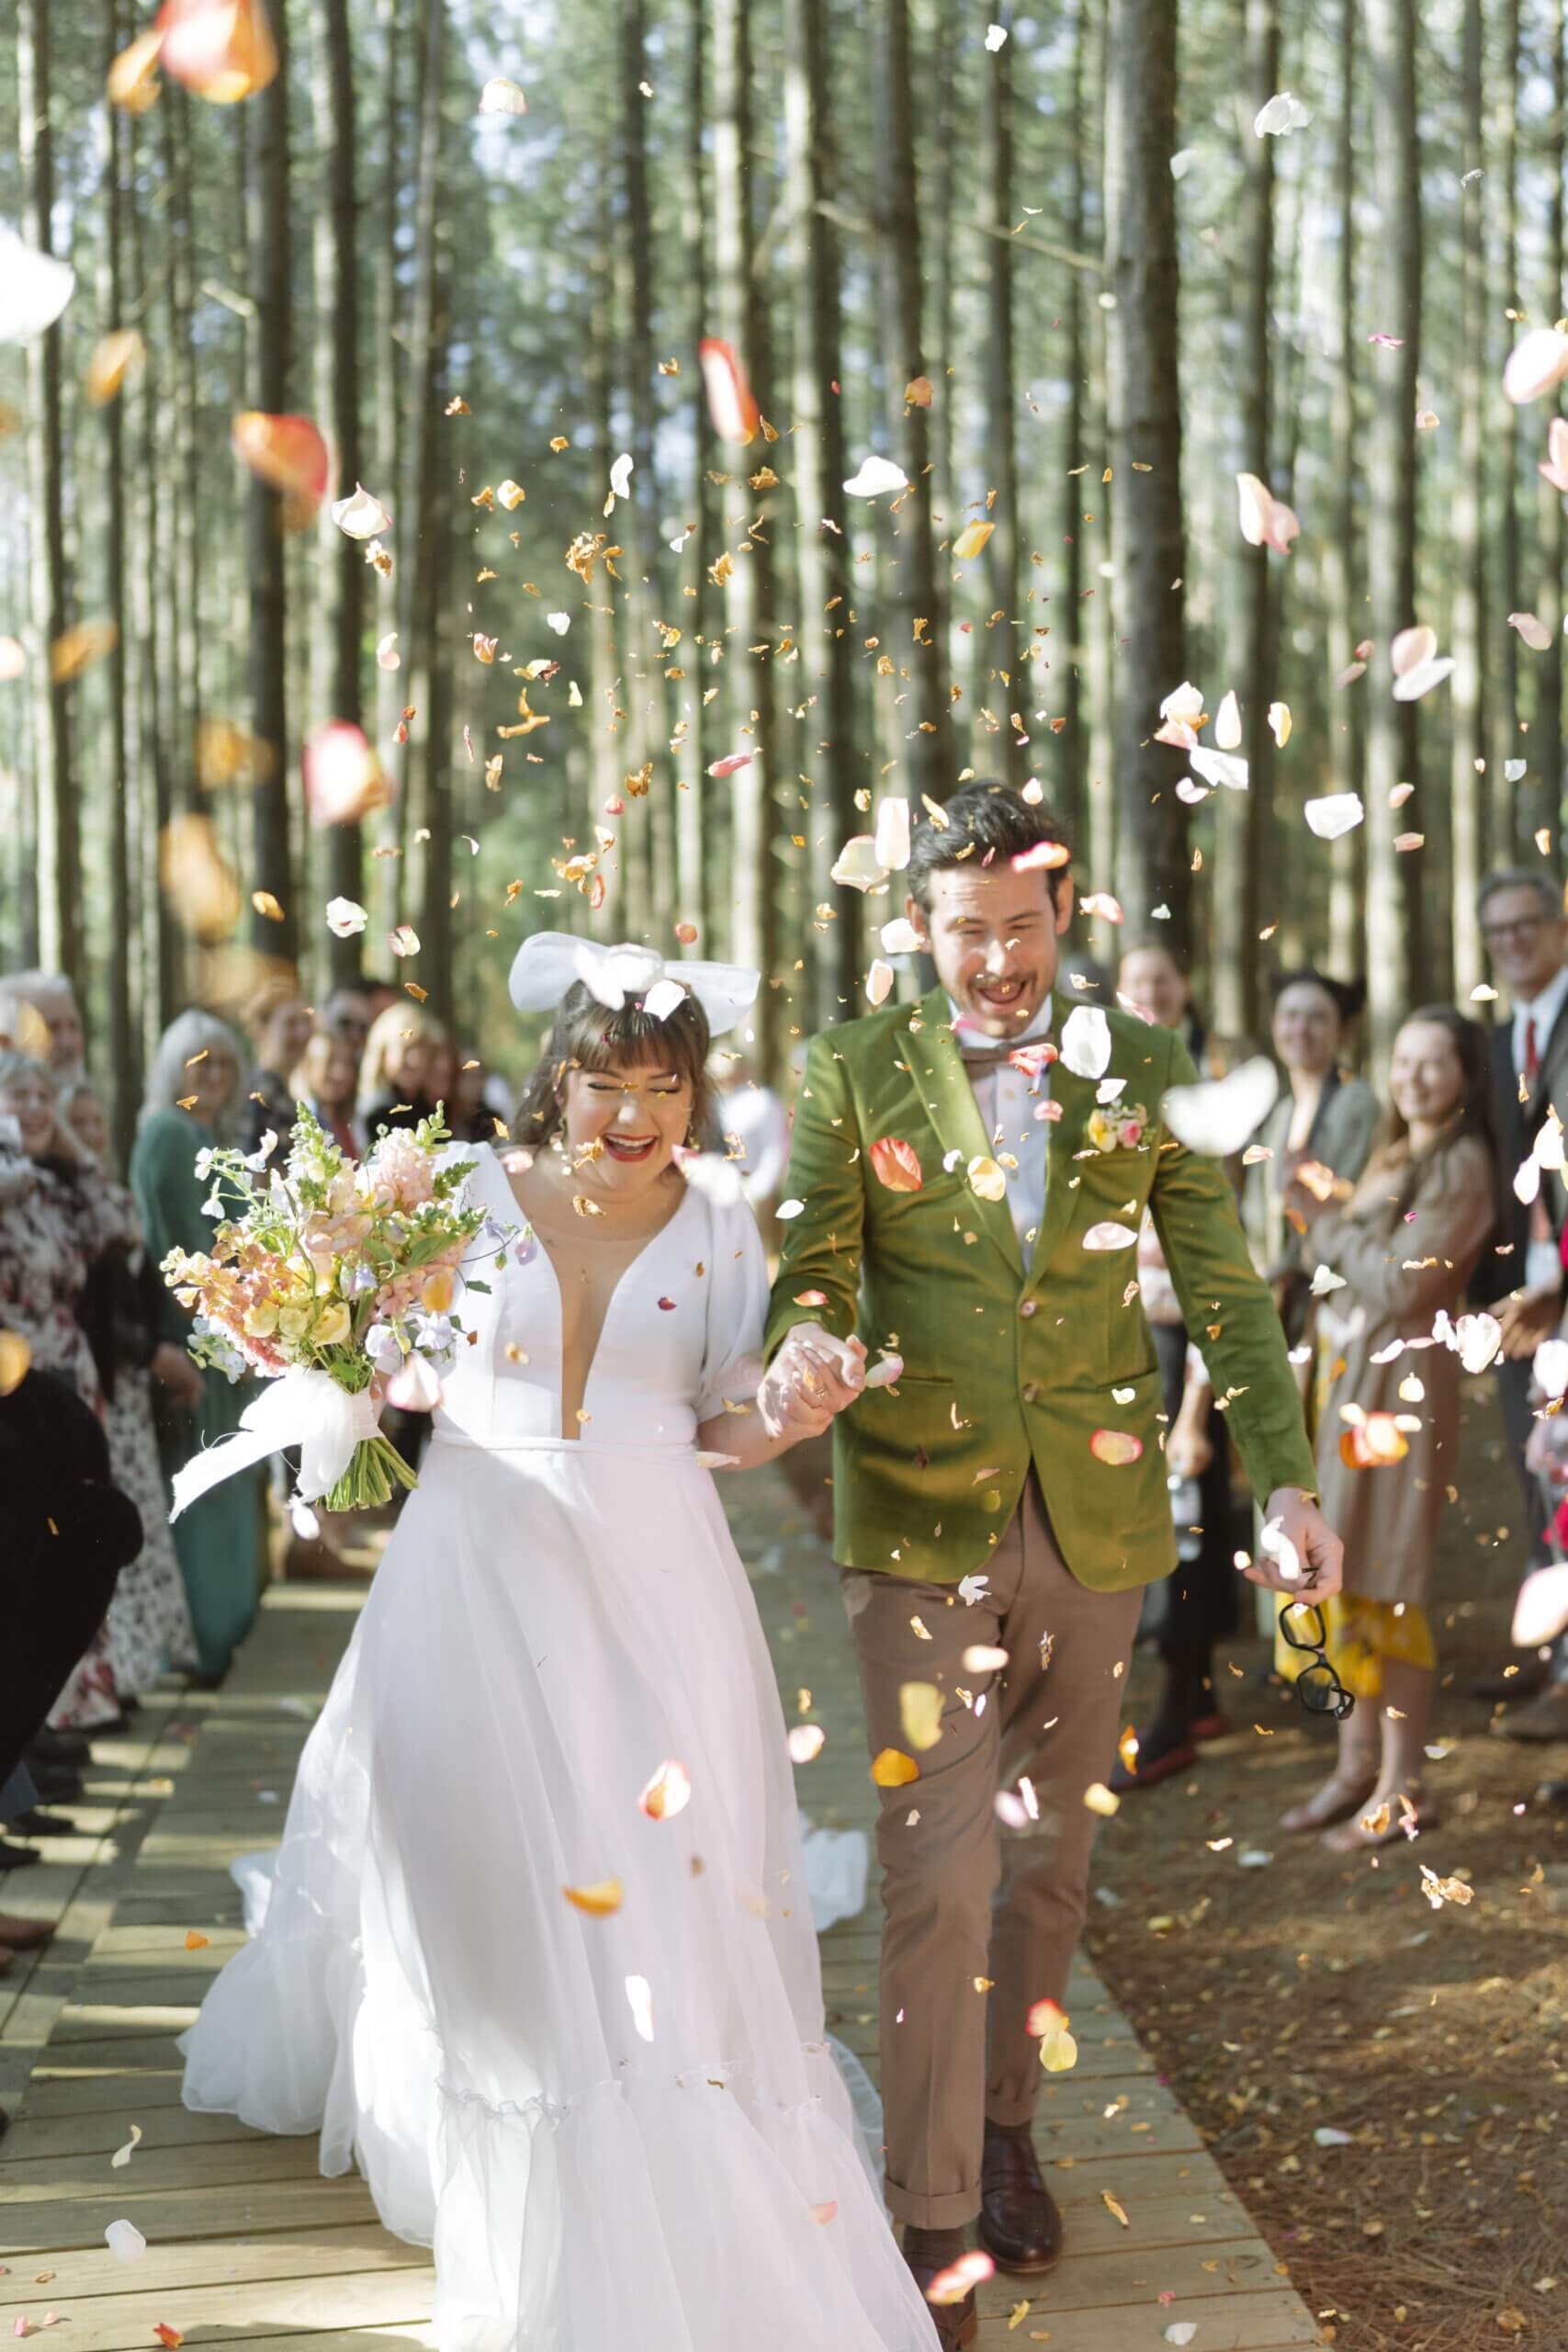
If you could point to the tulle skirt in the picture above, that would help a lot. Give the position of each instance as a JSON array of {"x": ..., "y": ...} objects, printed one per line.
[{"x": 617, "y": 2120}]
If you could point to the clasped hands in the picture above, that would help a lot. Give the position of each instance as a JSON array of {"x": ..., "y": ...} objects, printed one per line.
[{"x": 813, "y": 1377}]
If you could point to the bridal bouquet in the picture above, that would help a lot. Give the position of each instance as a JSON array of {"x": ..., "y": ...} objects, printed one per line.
[{"x": 330, "y": 1280}]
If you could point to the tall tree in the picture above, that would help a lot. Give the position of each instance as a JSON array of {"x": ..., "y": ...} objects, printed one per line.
[
  {"x": 822, "y": 554},
  {"x": 1467, "y": 743},
  {"x": 1510, "y": 831},
  {"x": 912, "y": 595},
  {"x": 337, "y": 310},
  {"x": 60, "y": 934},
  {"x": 648, "y": 830},
  {"x": 748, "y": 595},
  {"x": 189, "y": 642},
  {"x": 695, "y": 849},
  {"x": 1242, "y": 818},
  {"x": 1066, "y": 663},
  {"x": 1002, "y": 646},
  {"x": 1343, "y": 610},
  {"x": 1389, "y": 30},
  {"x": 420, "y": 607},
  {"x": 1546, "y": 726},
  {"x": 267, "y": 118},
  {"x": 1143, "y": 409},
  {"x": 122, "y": 1040}
]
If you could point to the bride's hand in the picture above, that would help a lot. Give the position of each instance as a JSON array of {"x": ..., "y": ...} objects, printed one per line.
[{"x": 813, "y": 1377}]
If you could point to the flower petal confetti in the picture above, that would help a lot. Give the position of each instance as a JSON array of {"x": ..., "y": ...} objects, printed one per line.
[
  {"x": 640, "y": 1995},
  {"x": 667, "y": 1793},
  {"x": 121, "y": 2156},
  {"x": 1537, "y": 364},
  {"x": 502, "y": 97},
  {"x": 346, "y": 920},
  {"x": 875, "y": 478},
  {"x": 1332, "y": 814},
  {"x": 919, "y": 1714},
  {"x": 600, "y": 1901},
  {"x": 970, "y": 2270},
  {"x": 1218, "y": 1115},
  {"x": 1533, "y": 632},
  {"x": 125, "y": 2241},
  {"x": 805, "y": 1741},
  {"x": 891, "y": 1768},
  {"x": 895, "y": 1164},
  {"x": 731, "y": 407},
  {"x": 361, "y": 516},
  {"x": 1281, "y": 115},
  {"x": 223, "y": 49},
  {"x": 1266, "y": 521},
  {"x": 34, "y": 289},
  {"x": 1085, "y": 1041},
  {"x": 890, "y": 842},
  {"x": 971, "y": 539},
  {"x": 857, "y": 866},
  {"x": 1115, "y": 1448}
]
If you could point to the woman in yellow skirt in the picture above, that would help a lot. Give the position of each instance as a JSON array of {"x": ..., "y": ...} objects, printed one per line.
[{"x": 1403, "y": 1249}]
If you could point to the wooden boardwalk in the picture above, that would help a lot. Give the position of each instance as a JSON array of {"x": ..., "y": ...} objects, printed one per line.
[{"x": 245, "y": 2239}]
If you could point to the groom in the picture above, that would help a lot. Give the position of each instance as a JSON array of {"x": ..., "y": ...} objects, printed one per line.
[{"x": 952, "y": 1180}]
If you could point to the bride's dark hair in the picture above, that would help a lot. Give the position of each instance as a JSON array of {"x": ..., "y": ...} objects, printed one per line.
[{"x": 585, "y": 1034}]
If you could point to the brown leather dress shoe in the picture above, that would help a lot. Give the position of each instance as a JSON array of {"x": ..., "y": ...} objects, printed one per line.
[
  {"x": 957, "y": 2324},
  {"x": 1019, "y": 2226}
]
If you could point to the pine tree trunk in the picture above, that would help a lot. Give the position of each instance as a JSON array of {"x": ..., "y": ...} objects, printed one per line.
[
  {"x": 388, "y": 369},
  {"x": 607, "y": 764},
  {"x": 1242, "y": 819},
  {"x": 188, "y": 519},
  {"x": 266, "y": 120},
  {"x": 1474, "y": 387},
  {"x": 912, "y": 600},
  {"x": 648, "y": 828},
  {"x": 1393, "y": 879},
  {"x": 698, "y": 855},
  {"x": 419, "y": 608},
  {"x": 757, "y": 876},
  {"x": 827, "y": 754},
  {"x": 1344, "y": 611},
  {"x": 1062, "y": 685},
  {"x": 337, "y": 328},
  {"x": 59, "y": 869},
  {"x": 1546, "y": 669},
  {"x": 122, "y": 1040},
  {"x": 1001, "y": 646},
  {"x": 1508, "y": 834},
  {"x": 1145, "y": 424}
]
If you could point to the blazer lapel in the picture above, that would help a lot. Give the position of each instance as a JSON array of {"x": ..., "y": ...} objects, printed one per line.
[{"x": 948, "y": 1098}]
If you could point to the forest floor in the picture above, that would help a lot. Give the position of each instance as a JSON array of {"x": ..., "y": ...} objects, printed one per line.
[{"x": 1287, "y": 1991}]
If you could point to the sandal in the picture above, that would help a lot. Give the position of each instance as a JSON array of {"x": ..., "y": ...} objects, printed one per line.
[{"x": 1336, "y": 1801}]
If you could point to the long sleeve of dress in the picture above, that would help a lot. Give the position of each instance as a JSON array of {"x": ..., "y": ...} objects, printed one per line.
[
  {"x": 737, "y": 1313},
  {"x": 163, "y": 1179},
  {"x": 1410, "y": 1271}
]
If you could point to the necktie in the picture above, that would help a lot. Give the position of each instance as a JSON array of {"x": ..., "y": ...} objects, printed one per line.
[{"x": 1532, "y": 1055}]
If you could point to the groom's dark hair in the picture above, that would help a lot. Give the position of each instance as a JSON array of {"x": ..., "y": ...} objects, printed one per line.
[{"x": 984, "y": 823}]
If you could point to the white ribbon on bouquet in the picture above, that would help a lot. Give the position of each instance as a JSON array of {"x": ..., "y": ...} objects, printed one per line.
[{"x": 303, "y": 1407}]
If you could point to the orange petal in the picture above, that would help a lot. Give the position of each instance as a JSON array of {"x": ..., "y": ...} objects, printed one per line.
[
  {"x": 730, "y": 402},
  {"x": 132, "y": 78},
  {"x": 599, "y": 1900},
  {"x": 895, "y": 1163},
  {"x": 1115, "y": 1447},
  {"x": 223, "y": 49},
  {"x": 891, "y": 1768},
  {"x": 971, "y": 539}
]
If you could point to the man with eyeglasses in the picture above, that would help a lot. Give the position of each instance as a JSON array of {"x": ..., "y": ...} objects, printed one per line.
[{"x": 1520, "y": 1278}]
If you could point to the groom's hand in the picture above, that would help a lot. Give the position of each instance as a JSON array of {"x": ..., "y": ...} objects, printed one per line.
[
  {"x": 1305, "y": 1543},
  {"x": 813, "y": 1377}
]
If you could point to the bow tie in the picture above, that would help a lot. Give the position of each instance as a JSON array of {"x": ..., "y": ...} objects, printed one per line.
[{"x": 1029, "y": 1056}]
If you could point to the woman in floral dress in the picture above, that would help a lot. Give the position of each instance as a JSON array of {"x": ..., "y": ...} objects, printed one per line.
[
  {"x": 149, "y": 1618},
  {"x": 49, "y": 1238}
]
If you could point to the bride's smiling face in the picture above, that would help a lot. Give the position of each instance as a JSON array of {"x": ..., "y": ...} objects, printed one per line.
[{"x": 622, "y": 1124}]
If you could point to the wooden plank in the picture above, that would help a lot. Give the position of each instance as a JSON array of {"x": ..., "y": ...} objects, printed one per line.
[
  {"x": 124, "y": 2323},
  {"x": 71, "y": 2135},
  {"x": 1121, "y": 2277},
  {"x": 1266, "y": 2322},
  {"x": 189, "y": 2212},
  {"x": 170, "y": 2266},
  {"x": 229, "y": 2164}
]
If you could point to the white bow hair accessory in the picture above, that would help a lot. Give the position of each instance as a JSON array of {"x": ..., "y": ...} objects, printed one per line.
[{"x": 545, "y": 967}]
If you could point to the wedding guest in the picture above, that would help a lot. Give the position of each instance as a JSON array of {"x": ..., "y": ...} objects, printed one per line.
[
  {"x": 401, "y": 1065},
  {"x": 325, "y": 1079},
  {"x": 49, "y": 1234},
  {"x": 121, "y": 1311},
  {"x": 1403, "y": 1246},
  {"x": 347, "y": 1014},
  {"x": 753, "y": 1116},
  {"x": 188, "y": 1105},
  {"x": 278, "y": 1021},
  {"x": 29, "y": 998},
  {"x": 1521, "y": 1279},
  {"x": 1322, "y": 1115},
  {"x": 1188, "y": 1612},
  {"x": 468, "y": 1113}
]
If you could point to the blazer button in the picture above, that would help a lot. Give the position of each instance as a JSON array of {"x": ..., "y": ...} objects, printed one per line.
[
  {"x": 1030, "y": 1392},
  {"x": 1029, "y": 1306}
]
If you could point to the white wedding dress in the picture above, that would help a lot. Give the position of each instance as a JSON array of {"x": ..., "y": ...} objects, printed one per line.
[{"x": 621, "y": 2130}]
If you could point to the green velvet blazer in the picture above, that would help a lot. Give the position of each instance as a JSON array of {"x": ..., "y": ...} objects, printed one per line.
[{"x": 1008, "y": 1365}]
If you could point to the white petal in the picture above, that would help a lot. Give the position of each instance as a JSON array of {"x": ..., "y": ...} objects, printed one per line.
[
  {"x": 718, "y": 1178},
  {"x": 1536, "y": 364},
  {"x": 899, "y": 937},
  {"x": 1188, "y": 788},
  {"x": 640, "y": 1996},
  {"x": 361, "y": 516},
  {"x": 125, "y": 2242},
  {"x": 1085, "y": 1041},
  {"x": 857, "y": 865},
  {"x": 560, "y": 622},
  {"x": 1325, "y": 1280},
  {"x": 1221, "y": 767},
  {"x": 1410, "y": 648},
  {"x": 34, "y": 288},
  {"x": 621, "y": 476},
  {"x": 1227, "y": 725},
  {"x": 1218, "y": 1115},
  {"x": 994, "y": 35},
  {"x": 876, "y": 476},
  {"x": 502, "y": 97},
  {"x": 387, "y": 654},
  {"x": 1185, "y": 701},
  {"x": 663, "y": 999},
  {"x": 1480, "y": 1337},
  {"x": 344, "y": 918},
  {"x": 879, "y": 980},
  {"x": 1550, "y": 1366},
  {"x": 890, "y": 843},
  {"x": 1110, "y": 1236},
  {"x": 1534, "y": 632},
  {"x": 1281, "y": 115},
  {"x": 1279, "y": 1546},
  {"x": 1422, "y": 678},
  {"x": 1336, "y": 813},
  {"x": 1540, "y": 1611},
  {"x": 1514, "y": 770}
]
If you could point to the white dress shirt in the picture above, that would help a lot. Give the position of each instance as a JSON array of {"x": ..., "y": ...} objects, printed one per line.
[{"x": 1012, "y": 1110}]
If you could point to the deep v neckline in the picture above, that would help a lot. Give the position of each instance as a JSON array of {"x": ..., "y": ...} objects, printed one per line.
[{"x": 575, "y": 1435}]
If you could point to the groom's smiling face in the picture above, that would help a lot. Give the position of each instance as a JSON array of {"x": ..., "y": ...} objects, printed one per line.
[{"x": 992, "y": 935}]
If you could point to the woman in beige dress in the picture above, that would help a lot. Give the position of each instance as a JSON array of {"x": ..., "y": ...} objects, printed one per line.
[{"x": 1404, "y": 1246}]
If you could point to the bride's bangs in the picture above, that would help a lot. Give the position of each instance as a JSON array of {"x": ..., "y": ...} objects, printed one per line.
[{"x": 585, "y": 1034}]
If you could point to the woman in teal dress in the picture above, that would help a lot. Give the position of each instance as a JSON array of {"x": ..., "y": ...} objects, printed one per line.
[{"x": 189, "y": 1102}]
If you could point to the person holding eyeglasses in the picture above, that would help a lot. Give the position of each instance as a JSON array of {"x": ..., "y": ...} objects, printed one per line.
[{"x": 1520, "y": 1278}]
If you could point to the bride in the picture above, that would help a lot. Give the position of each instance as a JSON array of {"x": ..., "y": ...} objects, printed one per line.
[{"x": 538, "y": 1954}]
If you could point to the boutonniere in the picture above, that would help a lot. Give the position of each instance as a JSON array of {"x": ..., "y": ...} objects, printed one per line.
[{"x": 1118, "y": 1126}]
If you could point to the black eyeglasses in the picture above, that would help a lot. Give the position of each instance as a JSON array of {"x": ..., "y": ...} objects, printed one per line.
[
  {"x": 1319, "y": 1686},
  {"x": 1523, "y": 926}
]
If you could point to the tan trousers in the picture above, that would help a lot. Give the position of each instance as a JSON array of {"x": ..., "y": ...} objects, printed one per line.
[{"x": 963, "y": 1897}]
